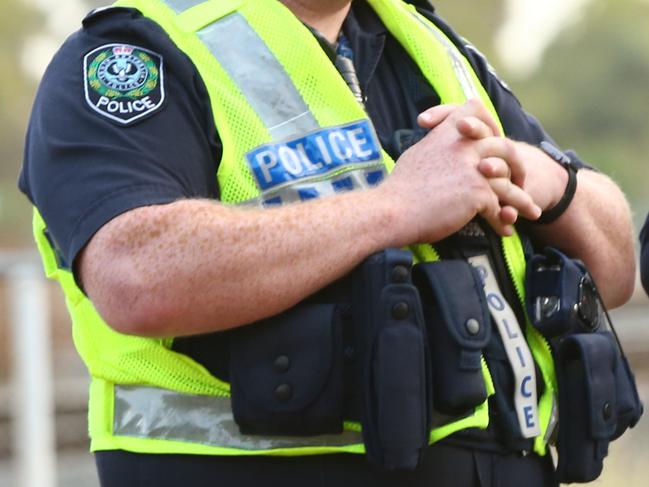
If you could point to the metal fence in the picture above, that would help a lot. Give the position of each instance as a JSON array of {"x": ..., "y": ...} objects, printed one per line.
[{"x": 31, "y": 405}]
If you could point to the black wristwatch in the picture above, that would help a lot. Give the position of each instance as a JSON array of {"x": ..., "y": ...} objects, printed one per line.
[{"x": 550, "y": 215}]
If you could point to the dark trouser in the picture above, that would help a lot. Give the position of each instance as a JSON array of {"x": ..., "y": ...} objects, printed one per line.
[{"x": 443, "y": 466}]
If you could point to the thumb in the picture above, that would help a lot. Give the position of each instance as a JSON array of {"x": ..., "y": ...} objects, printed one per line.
[{"x": 432, "y": 117}]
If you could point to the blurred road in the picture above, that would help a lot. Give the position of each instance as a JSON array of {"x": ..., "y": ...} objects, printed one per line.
[{"x": 74, "y": 469}]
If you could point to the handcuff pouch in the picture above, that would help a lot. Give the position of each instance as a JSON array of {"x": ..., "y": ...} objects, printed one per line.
[
  {"x": 459, "y": 328},
  {"x": 286, "y": 373},
  {"x": 393, "y": 365},
  {"x": 587, "y": 405}
]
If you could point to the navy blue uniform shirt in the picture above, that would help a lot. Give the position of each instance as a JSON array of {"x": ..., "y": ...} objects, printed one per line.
[
  {"x": 82, "y": 169},
  {"x": 644, "y": 255}
]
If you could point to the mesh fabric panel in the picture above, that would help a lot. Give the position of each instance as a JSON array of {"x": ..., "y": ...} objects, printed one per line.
[{"x": 125, "y": 359}]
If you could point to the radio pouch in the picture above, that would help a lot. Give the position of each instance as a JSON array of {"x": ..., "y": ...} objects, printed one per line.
[
  {"x": 459, "y": 328},
  {"x": 588, "y": 409},
  {"x": 286, "y": 373},
  {"x": 393, "y": 366}
]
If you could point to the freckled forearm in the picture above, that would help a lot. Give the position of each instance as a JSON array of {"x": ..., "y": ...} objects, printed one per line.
[{"x": 200, "y": 266}]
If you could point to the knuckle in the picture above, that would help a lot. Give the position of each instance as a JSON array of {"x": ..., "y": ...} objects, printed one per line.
[
  {"x": 493, "y": 203},
  {"x": 500, "y": 186},
  {"x": 508, "y": 147}
]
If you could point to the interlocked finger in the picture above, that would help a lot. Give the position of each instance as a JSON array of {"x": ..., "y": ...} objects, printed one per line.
[
  {"x": 474, "y": 128},
  {"x": 475, "y": 108},
  {"x": 511, "y": 195},
  {"x": 501, "y": 148},
  {"x": 432, "y": 117},
  {"x": 508, "y": 215},
  {"x": 493, "y": 167},
  {"x": 500, "y": 218}
]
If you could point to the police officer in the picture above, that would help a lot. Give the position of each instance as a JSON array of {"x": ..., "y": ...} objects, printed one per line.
[{"x": 200, "y": 166}]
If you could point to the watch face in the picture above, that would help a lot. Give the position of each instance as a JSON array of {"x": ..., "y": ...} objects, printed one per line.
[
  {"x": 555, "y": 153},
  {"x": 587, "y": 306}
]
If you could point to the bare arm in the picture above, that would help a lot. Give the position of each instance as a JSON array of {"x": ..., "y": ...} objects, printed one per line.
[
  {"x": 197, "y": 266},
  {"x": 596, "y": 227}
]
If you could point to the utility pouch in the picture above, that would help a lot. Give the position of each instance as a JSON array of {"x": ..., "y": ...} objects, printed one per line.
[
  {"x": 459, "y": 328},
  {"x": 286, "y": 373},
  {"x": 563, "y": 301},
  {"x": 393, "y": 366},
  {"x": 587, "y": 404}
]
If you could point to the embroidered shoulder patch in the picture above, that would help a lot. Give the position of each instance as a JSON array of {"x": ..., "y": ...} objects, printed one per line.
[{"x": 122, "y": 82}]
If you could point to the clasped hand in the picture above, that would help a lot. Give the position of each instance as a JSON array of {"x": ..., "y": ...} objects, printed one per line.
[{"x": 462, "y": 168}]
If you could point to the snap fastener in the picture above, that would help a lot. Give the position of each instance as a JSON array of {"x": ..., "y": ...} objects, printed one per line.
[
  {"x": 283, "y": 392},
  {"x": 607, "y": 411},
  {"x": 473, "y": 326},
  {"x": 282, "y": 364},
  {"x": 400, "y": 310},
  {"x": 400, "y": 274}
]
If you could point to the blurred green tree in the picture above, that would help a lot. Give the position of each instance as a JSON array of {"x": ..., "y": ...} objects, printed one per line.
[
  {"x": 16, "y": 93},
  {"x": 592, "y": 92},
  {"x": 476, "y": 21},
  {"x": 16, "y": 89}
]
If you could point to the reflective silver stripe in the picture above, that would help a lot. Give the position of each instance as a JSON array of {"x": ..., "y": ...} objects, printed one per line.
[
  {"x": 259, "y": 76},
  {"x": 516, "y": 348},
  {"x": 347, "y": 181},
  {"x": 358, "y": 175},
  {"x": 461, "y": 71},
  {"x": 358, "y": 179},
  {"x": 180, "y": 6},
  {"x": 149, "y": 412}
]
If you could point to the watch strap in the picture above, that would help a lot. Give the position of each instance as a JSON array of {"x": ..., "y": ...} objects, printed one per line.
[{"x": 551, "y": 214}]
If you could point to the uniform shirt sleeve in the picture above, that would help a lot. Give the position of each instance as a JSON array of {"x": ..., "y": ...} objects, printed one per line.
[
  {"x": 517, "y": 123},
  {"x": 644, "y": 255},
  {"x": 81, "y": 169}
]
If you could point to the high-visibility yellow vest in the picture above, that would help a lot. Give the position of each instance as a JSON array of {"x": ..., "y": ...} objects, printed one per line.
[{"x": 270, "y": 85}]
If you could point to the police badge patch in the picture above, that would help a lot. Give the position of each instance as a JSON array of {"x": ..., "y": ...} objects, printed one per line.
[{"x": 122, "y": 82}]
